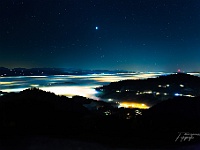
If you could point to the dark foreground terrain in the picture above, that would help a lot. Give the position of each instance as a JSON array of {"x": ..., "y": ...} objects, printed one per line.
[{"x": 34, "y": 119}]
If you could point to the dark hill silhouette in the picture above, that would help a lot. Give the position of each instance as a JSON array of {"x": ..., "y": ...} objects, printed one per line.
[
  {"x": 167, "y": 119},
  {"x": 34, "y": 110},
  {"x": 178, "y": 78},
  {"x": 166, "y": 86},
  {"x": 180, "y": 113}
]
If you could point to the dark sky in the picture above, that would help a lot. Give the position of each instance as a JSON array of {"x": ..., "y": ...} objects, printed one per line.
[{"x": 136, "y": 35}]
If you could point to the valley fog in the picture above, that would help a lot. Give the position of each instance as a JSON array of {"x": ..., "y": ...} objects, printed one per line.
[{"x": 69, "y": 85}]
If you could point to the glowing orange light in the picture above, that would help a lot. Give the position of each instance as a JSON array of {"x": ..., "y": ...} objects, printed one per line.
[{"x": 133, "y": 105}]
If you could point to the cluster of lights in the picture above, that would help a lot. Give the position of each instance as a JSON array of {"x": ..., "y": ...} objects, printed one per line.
[
  {"x": 164, "y": 86},
  {"x": 145, "y": 92},
  {"x": 138, "y": 112},
  {"x": 107, "y": 113},
  {"x": 128, "y": 116},
  {"x": 188, "y": 95},
  {"x": 133, "y": 105}
]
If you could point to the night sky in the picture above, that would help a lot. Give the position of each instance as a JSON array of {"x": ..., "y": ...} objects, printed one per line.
[{"x": 135, "y": 35}]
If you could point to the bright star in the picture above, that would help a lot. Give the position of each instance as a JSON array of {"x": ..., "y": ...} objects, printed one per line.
[{"x": 97, "y": 28}]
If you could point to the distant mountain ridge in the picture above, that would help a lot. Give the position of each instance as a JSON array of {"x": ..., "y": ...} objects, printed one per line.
[{"x": 52, "y": 71}]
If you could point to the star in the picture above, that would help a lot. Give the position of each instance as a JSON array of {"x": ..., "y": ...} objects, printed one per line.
[{"x": 96, "y": 28}]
